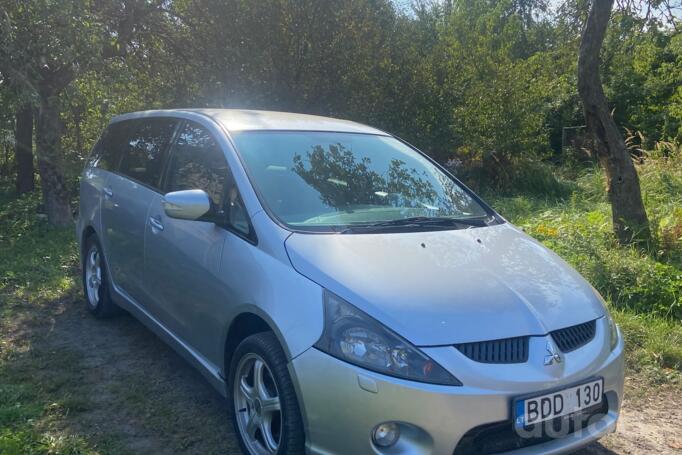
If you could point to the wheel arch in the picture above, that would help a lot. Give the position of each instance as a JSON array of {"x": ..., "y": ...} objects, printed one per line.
[
  {"x": 88, "y": 232},
  {"x": 244, "y": 325}
]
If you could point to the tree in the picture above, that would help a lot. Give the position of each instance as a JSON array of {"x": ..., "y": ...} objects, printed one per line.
[
  {"x": 16, "y": 122},
  {"x": 44, "y": 46},
  {"x": 39, "y": 51},
  {"x": 641, "y": 73},
  {"x": 630, "y": 222}
]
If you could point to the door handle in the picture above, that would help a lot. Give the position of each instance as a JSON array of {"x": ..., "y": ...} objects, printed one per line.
[
  {"x": 107, "y": 192},
  {"x": 155, "y": 223}
]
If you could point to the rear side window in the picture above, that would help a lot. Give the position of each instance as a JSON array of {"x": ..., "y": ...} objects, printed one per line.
[
  {"x": 96, "y": 153},
  {"x": 198, "y": 163},
  {"x": 108, "y": 151},
  {"x": 145, "y": 147}
]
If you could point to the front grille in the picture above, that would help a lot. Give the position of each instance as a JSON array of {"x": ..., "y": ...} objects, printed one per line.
[
  {"x": 571, "y": 338},
  {"x": 507, "y": 350},
  {"x": 502, "y": 436}
]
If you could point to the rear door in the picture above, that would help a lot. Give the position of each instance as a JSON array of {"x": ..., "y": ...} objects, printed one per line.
[
  {"x": 142, "y": 145},
  {"x": 183, "y": 257}
]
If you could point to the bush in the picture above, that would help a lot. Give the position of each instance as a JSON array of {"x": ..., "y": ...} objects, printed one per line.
[{"x": 528, "y": 177}]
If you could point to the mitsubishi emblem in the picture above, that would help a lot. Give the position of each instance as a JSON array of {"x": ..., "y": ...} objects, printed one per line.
[{"x": 552, "y": 355}]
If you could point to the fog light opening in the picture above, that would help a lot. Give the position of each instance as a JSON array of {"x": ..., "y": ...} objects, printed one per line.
[{"x": 386, "y": 434}]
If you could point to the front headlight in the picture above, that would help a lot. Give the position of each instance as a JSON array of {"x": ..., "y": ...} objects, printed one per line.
[
  {"x": 613, "y": 331},
  {"x": 351, "y": 335},
  {"x": 613, "y": 328}
]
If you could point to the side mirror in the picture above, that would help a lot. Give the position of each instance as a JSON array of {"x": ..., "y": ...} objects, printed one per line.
[{"x": 186, "y": 205}]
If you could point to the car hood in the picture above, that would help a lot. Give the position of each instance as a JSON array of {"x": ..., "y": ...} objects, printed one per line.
[{"x": 446, "y": 287}]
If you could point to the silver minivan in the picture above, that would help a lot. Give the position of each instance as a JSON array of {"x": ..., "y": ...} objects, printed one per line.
[{"x": 344, "y": 291}]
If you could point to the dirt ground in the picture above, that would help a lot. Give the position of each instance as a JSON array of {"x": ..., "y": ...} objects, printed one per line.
[{"x": 130, "y": 393}]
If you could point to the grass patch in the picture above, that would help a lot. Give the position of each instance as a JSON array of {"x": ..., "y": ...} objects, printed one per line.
[
  {"x": 654, "y": 346},
  {"x": 37, "y": 261},
  {"x": 38, "y": 389}
]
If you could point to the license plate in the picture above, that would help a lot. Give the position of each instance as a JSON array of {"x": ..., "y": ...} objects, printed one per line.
[{"x": 532, "y": 410}]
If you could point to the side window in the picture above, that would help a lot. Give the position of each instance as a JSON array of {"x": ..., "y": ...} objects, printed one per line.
[
  {"x": 107, "y": 152},
  {"x": 197, "y": 163},
  {"x": 96, "y": 153},
  {"x": 237, "y": 216},
  {"x": 145, "y": 149}
]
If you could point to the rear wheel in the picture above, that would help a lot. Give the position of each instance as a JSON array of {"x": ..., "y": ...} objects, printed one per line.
[
  {"x": 264, "y": 407},
  {"x": 95, "y": 280}
]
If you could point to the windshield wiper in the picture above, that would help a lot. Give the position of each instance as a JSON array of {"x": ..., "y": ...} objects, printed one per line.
[{"x": 420, "y": 222}]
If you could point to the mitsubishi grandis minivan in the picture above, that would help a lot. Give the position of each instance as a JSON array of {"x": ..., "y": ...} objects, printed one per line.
[{"x": 342, "y": 290}]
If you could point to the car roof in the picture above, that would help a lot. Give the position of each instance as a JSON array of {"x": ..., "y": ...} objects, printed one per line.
[{"x": 235, "y": 120}]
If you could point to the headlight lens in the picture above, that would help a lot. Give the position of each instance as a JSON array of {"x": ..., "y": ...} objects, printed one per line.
[
  {"x": 613, "y": 328},
  {"x": 613, "y": 331},
  {"x": 351, "y": 335}
]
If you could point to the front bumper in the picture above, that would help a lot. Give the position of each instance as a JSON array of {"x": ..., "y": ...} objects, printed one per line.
[{"x": 342, "y": 403}]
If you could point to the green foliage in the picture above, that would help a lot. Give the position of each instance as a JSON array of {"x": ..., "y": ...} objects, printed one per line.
[
  {"x": 643, "y": 78},
  {"x": 503, "y": 78},
  {"x": 490, "y": 83},
  {"x": 43, "y": 37}
]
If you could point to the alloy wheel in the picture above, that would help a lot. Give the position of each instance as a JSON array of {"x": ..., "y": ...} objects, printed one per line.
[
  {"x": 257, "y": 405},
  {"x": 93, "y": 276}
]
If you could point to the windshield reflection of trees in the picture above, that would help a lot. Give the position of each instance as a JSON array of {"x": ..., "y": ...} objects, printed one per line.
[{"x": 345, "y": 181}]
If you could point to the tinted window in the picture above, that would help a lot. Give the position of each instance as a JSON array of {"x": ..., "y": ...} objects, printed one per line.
[
  {"x": 198, "y": 164},
  {"x": 145, "y": 148},
  {"x": 107, "y": 152},
  {"x": 96, "y": 152},
  {"x": 237, "y": 216}
]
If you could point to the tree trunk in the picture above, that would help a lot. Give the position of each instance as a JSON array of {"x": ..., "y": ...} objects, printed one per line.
[
  {"x": 630, "y": 223},
  {"x": 23, "y": 148},
  {"x": 50, "y": 166}
]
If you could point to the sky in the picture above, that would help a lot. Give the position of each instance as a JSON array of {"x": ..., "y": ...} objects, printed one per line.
[{"x": 406, "y": 7}]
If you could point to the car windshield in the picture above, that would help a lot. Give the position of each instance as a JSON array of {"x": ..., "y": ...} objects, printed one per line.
[{"x": 326, "y": 181}]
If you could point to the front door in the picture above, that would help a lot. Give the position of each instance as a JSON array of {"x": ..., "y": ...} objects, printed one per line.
[{"x": 183, "y": 257}]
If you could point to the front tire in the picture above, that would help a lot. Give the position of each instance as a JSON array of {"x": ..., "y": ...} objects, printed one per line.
[
  {"x": 95, "y": 280},
  {"x": 264, "y": 407}
]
